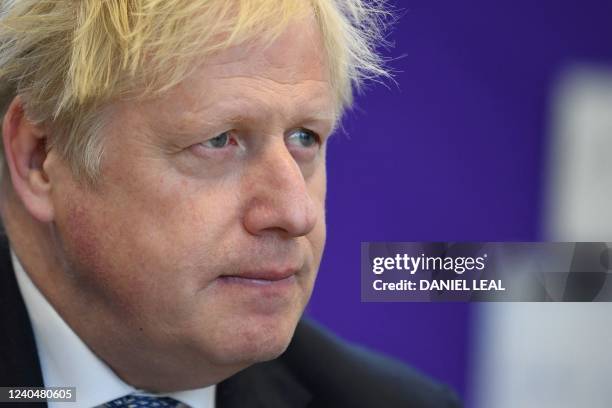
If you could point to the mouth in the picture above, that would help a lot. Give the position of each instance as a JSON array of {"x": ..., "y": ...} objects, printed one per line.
[
  {"x": 262, "y": 282},
  {"x": 263, "y": 291},
  {"x": 262, "y": 277}
]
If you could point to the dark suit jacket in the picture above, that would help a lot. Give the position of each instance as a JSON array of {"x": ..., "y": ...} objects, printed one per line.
[{"x": 317, "y": 370}]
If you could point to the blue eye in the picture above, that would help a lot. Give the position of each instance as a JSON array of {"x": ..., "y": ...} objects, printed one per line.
[
  {"x": 218, "y": 142},
  {"x": 303, "y": 138}
]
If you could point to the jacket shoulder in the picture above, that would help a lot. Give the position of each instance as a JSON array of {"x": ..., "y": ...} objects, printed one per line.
[{"x": 342, "y": 374}]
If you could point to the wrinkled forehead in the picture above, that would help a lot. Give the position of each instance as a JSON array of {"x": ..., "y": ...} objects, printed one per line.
[
  {"x": 258, "y": 77},
  {"x": 297, "y": 50}
]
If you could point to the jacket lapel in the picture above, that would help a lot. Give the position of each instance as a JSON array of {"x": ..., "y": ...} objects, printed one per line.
[{"x": 19, "y": 364}]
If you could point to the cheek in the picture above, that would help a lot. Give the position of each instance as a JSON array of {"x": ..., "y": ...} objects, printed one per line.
[
  {"x": 87, "y": 234},
  {"x": 317, "y": 240},
  {"x": 87, "y": 256},
  {"x": 317, "y": 187},
  {"x": 115, "y": 253},
  {"x": 83, "y": 235},
  {"x": 163, "y": 242}
]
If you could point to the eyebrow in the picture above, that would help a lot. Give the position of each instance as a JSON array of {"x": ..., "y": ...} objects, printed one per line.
[{"x": 243, "y": 114}]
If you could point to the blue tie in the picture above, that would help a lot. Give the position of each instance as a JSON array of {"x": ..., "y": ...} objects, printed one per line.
[{"x": 141, "y": 401}]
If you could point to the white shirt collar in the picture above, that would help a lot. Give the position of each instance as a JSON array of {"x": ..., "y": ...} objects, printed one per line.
[{"x": 66, "y": 361}]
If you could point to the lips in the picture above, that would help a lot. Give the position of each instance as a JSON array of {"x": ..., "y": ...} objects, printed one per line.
[{"x": 270, "y": 275}]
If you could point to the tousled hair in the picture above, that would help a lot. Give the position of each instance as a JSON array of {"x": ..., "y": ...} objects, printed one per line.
[{"x": 67, "y": 59}]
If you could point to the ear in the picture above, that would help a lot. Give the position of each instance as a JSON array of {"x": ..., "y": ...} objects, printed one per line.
[{"x": 25, "y": 154}]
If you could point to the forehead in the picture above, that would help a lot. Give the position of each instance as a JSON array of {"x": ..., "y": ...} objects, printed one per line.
[
  {"x": 287, "y": 73},
  {"x": 298, "y": 50}
]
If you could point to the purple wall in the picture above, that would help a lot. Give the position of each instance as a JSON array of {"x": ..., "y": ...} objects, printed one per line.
[{"x": 454, "y": 152}]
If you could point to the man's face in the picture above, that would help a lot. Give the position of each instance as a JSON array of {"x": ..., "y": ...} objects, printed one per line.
[{"x": 206, "y": 233}]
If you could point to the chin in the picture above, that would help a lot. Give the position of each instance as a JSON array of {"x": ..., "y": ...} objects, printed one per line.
[{"x": 253, "y": 340}]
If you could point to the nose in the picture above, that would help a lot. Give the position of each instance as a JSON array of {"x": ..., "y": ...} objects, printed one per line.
[{"x": 278, "y": 198}]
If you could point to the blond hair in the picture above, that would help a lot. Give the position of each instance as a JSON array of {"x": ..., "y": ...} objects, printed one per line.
[{"x": 67, "y": 59}]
